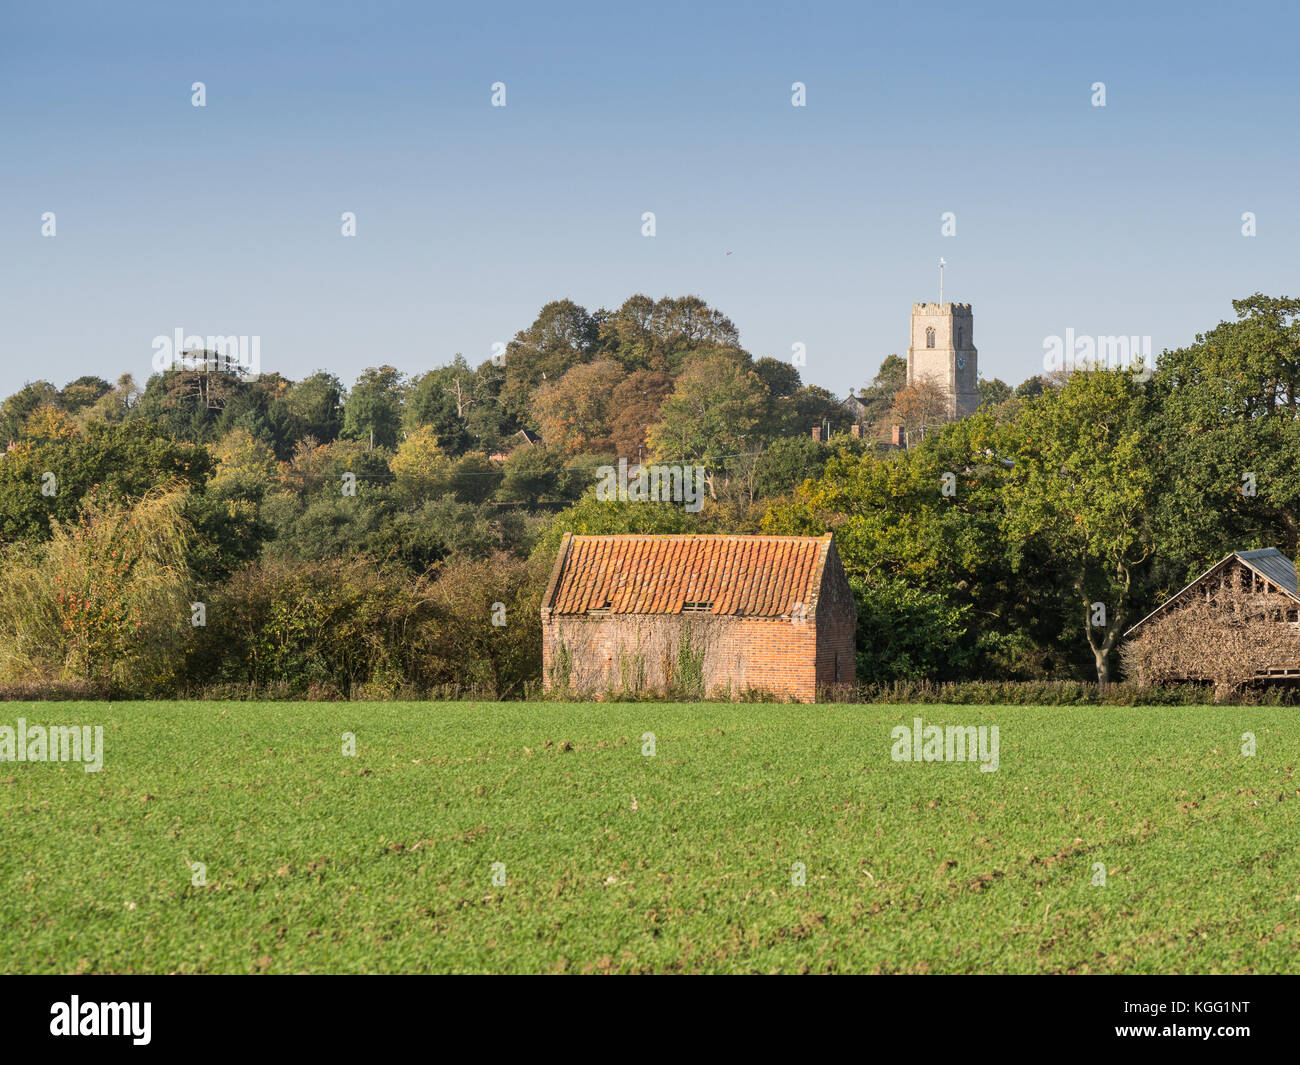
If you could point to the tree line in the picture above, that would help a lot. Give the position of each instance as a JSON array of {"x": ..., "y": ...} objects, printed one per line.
[{"x": 212, "y": 531}]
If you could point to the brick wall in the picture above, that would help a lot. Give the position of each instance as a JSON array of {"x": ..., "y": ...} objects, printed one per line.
[
  {"x": 641, "y": 651},
  {"x": 837, "y": 622}
]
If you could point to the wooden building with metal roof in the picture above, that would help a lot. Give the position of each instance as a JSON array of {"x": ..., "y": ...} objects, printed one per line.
[{"x": 1235, "y": 624}]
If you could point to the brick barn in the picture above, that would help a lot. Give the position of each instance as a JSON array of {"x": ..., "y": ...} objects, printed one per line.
[{"x": 705, "y": 614}]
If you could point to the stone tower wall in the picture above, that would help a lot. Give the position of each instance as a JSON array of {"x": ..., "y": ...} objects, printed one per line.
[{"x": 952, "y": 365}]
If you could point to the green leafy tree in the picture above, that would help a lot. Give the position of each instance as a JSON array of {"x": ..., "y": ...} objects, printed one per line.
[
  {"x": 229, "y": 528},
  {"x": 663, "y": 335},
  {"x": 562, "y": 336},
  {"x": 787, "y": 463},
  {"x": 532, "y": 475},
  {"x": 930, "y": 518},
  {"x": 780, "y": 377},
  {"x": 443, "y": 399},
  {"x": 717, "y": 405},
  {"x": 1227, "y": 440},
  {"x": 17, "y": 408},
  {"x": 589, "y": 516},
  {"x": 905, "y": 633},
  {"x": 1031, "y": 388},
  {"x": 82, "y": 393},
  {"x": 993, "y": 393},
  {"x": 810, "y": 407},
  {"x": 323, "y": 627},
  {"x": 1079, "y": 489},
  {"x": 126, "y": 461},
  {"x": 878, "y": 397},
  {"x": 373, "y": 412},
  {"x": 316, "y": 405},
  {"x": 474, "y": 478}
]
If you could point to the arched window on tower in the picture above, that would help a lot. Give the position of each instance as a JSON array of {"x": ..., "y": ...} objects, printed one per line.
[
  {"x": 929, "y": 337},
  {"x": 960, "y": 338}
]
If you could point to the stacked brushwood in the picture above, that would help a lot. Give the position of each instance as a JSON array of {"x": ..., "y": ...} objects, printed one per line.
[{"x": 1229, "y": 639}]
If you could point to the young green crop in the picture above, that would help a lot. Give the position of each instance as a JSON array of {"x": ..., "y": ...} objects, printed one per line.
[{"x": 684, "y": 860}]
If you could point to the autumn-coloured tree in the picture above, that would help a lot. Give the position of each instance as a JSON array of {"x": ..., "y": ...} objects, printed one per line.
[
  {"x": 562, "y": 336},
  {"x": 421, "y": 468},
  {"x": 575, "y": 411},
  {"x": 636, "y": 405},
  {"x": 241, "y": 456},
  {"x": 316, "y": 467},
  {"x": 48, "y": 423},
  {"x": 919, "y": 406},
  {"x": 488, "y": 636}
]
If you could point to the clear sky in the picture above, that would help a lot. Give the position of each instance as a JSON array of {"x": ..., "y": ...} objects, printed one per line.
[{"x": 1123, "y": 219}]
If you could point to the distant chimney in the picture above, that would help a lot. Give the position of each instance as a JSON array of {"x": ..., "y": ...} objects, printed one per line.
[
  {"x": 897, "y": 436},
  {"x": 817, "y": 432}
]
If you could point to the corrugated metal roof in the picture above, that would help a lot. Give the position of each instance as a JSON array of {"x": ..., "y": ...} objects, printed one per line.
[
  {"x": 1271, "y": 564},
  {"x": 750, "y": 576}
]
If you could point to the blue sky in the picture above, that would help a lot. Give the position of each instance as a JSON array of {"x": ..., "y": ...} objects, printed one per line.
[{"x": 226, "y": 219}]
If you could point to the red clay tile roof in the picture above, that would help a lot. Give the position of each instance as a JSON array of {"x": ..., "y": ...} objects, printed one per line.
[{"x": 751, "y": 576}]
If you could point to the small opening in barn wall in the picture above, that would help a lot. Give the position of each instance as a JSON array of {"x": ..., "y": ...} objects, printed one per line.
[
  {"x": 1293, "y": 616},
  {"x": 696, "y": 608}
]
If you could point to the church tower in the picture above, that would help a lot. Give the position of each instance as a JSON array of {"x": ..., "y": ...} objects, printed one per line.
[{"x": 943, "y": 352}]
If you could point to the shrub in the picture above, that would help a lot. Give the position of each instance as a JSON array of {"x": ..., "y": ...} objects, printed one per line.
[
  {"x": 323, "y": 626},
  {"x": 105, "y": 603},
  {"x": 1020, "y": 693}
]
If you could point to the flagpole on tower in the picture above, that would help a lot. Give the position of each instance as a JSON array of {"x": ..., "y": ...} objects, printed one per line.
[{"x": 942, "y": 264}]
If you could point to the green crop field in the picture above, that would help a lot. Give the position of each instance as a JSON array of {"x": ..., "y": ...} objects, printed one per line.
[{"x": 686, "y": 860}]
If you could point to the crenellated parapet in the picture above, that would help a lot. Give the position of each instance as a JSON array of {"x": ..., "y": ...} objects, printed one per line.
[{"x": 961, "y": 310}]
